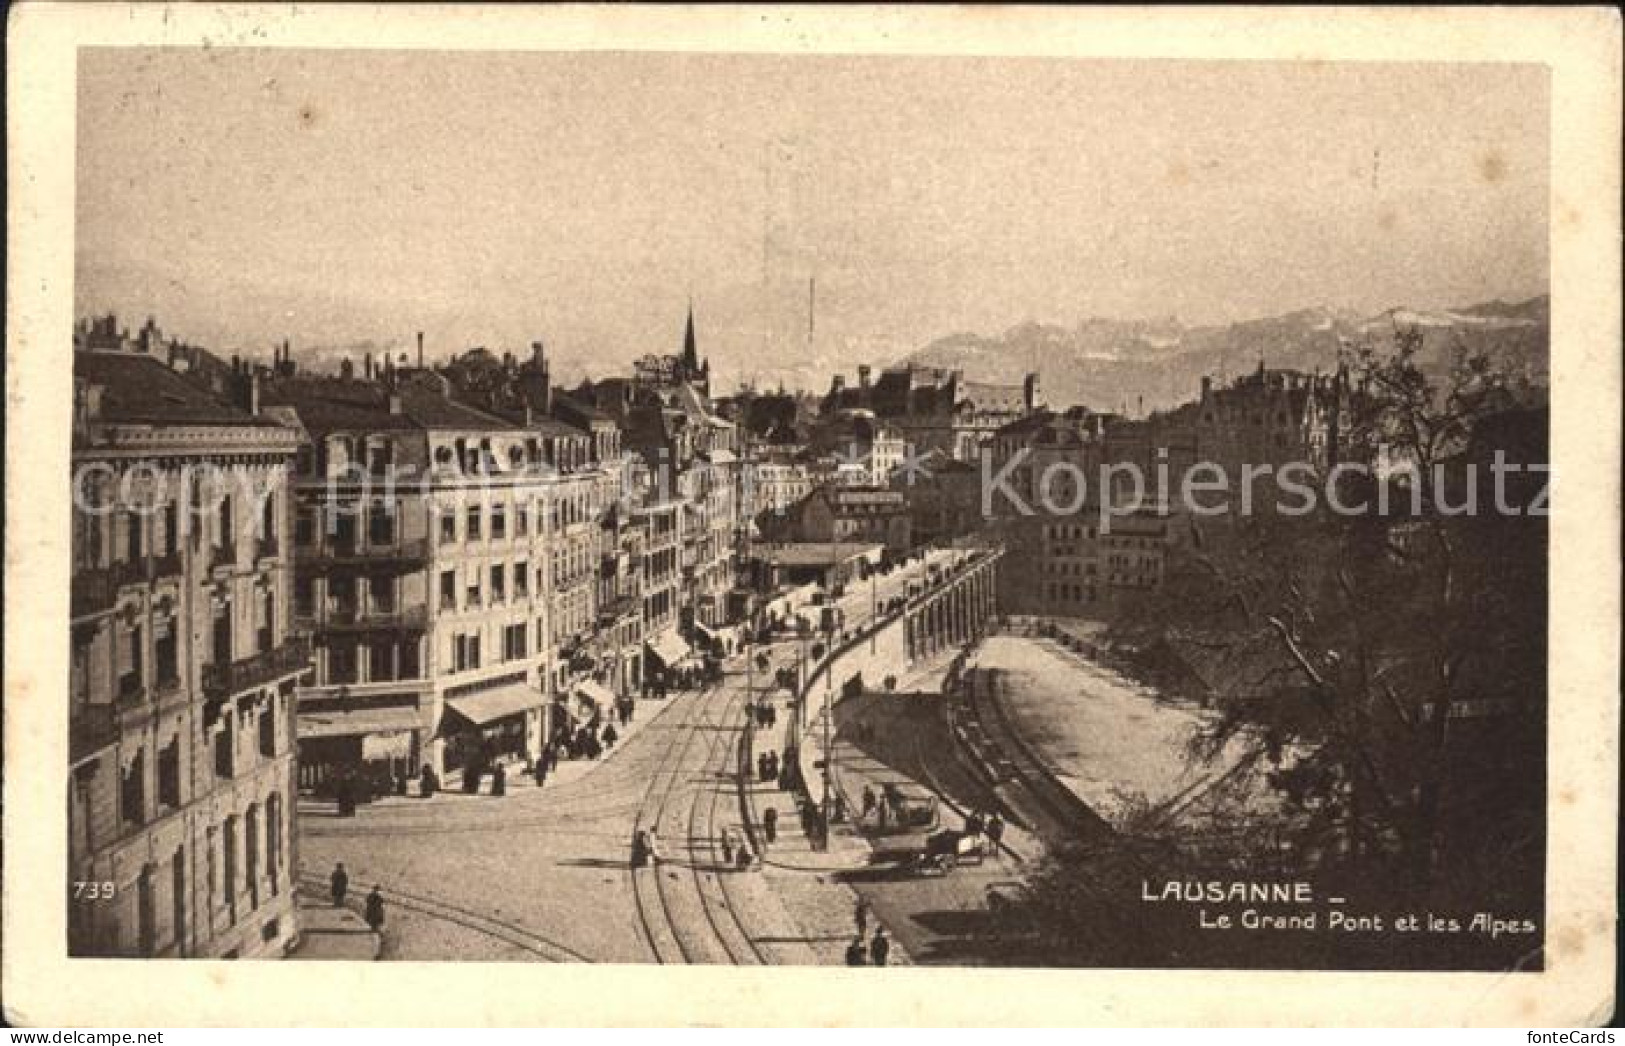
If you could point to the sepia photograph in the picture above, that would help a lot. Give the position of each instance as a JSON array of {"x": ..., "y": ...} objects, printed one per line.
[{"x": 741, "y": 507}]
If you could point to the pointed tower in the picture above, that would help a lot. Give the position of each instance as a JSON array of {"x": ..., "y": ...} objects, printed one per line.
[
  {"x": 691, "y": 355},
  {"x": 689, "y": 364}
]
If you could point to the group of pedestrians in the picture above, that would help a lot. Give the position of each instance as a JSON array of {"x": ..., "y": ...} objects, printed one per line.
[
  {"x": 878, "y": 948},
  {"x": 339, "y": 882},
  {"x": 989, "y": 825},
  {"x": 814, "y": 825},
  {"x": 765, "y": 714},
  {"x": 736, "y": 852},
  {"x": 646, "y": 847},
  {"x": 767, "y": 766}
]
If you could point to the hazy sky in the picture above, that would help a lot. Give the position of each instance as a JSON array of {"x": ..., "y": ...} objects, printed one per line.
[{"x": 336, "y": 197}]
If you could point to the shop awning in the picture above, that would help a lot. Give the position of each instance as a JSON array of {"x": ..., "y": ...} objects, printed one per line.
[
  {"x": 499, "y": 703},
  {"x": 669, "y": 648},
  {"x": 595, "y": 692},
  {"x": 358, "y": 723},
  {"x": 386, "y": 746}
]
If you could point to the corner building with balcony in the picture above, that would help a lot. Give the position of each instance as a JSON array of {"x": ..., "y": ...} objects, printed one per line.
[
  {"x": 423, "y": 537},
  {"x": 181, "y": 777}
]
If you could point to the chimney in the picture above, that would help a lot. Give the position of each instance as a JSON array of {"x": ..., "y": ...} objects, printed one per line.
[
  {"x": 863, "y": 375},
  {"x": 420, "y": 350},
  {"x": 254, "y": 393},
  {"x": 1207, "y": 385},
  {"x": 346, "y": 369},
  {"x": 368, "y": 365}
]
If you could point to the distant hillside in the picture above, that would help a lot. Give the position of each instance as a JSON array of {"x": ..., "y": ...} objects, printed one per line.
[{"x": 1110, "y": 364}]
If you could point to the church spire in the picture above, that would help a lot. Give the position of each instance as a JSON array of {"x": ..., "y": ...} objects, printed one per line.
[{"x": 691, "y": 356}]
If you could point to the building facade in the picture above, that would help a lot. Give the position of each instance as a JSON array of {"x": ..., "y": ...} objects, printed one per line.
[
  {"x": 181, "y": 789},
  {"x": 424, "y": 532}
]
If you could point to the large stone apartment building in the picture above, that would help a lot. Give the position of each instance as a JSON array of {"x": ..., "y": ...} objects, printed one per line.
[{"x": 181, "y": 777}]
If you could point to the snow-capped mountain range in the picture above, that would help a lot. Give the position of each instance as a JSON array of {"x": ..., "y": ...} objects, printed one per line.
[{"x": 1133, "y": 365}]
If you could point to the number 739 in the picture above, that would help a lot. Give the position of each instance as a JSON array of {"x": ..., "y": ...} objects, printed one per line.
[{"x": 93, "y": 890}]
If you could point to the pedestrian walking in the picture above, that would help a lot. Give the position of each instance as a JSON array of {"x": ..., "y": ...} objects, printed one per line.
[
  {"x": 428, "y": 783},
  {"x": 860, "y": 916},
  {"x": 499, "y": 780},
  {"x": 728, "y": 847},
  {"x": 375, "y": 910},
  {"x": 974, "y": 824},
  {"x": 653, "y": 842},
  {"x": 340, "y": 882},
  {"x": 610, "y": 736},
  {"x": 868, "y": 802},
  {"x": 640, "y": 848},
  {"x": 855, "y": 953},
  {"x": 770, "y": 824},
  {"x": 743, "y": 858},
  {"x": 879, "y": 947}
]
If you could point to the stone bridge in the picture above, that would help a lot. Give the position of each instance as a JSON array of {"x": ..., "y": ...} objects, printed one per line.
[
  {"x": 952, "y": 610},
  {"x": 956, "y": 609}
]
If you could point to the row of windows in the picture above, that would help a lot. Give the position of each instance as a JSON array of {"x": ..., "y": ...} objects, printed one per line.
[
  {"x": 158, "y": 913},
  {"x": 482, "y": 522},
  {"x": 1069, "y": 593},
  {"x": 489, "y": 586},
  {"x": 135, "y": 534},
  {"x": 465, "y": 649},
  {"x": 134, "y": 808}
]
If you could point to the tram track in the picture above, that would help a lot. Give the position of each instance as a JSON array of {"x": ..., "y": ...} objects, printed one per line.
[
  {"x": 665, "y": 920},
  {"x": 434, "y": 908}
]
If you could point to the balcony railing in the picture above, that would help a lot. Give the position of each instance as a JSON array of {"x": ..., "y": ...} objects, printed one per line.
[
  {"x": 90, "y": 728},
  {"x": 96, "y": 589},
  {"x": 169, "y": 565},
  {"x": 130, "y": 688},
  {"x": 245, "y": 674},
  {"x": 413, "y": 551},
  {"x": 412, "y": 618}
]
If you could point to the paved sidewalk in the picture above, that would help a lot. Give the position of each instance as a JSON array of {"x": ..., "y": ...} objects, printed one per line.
[
  {"x": 646, "y": 710},
  {"x": 327, "y": 933},
  {"x": 806, "y": 880}
]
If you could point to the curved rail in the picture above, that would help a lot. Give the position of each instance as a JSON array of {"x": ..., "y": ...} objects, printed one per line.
[
  {"x": 656, "y": 909},
  {"x": 508, "y": 933}
]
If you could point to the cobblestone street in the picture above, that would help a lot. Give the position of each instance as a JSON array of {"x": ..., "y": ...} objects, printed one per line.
[{"x": 543, "y": 873}]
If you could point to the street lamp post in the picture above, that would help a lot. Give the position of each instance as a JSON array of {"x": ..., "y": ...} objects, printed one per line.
[
  {"x": 829, "y": 721},
  {"x": 874, "y": 609}
]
